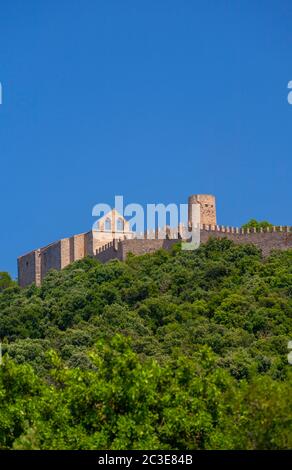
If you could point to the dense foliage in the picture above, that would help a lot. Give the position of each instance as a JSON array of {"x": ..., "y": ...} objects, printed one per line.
[
  {"x": 253, "y": 223},
  {"x": 5, "y": 281},
  {"x": 173, "y": 350}
]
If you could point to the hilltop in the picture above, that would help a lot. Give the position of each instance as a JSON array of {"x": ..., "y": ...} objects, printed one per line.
[{"x": 173, "y": 350}]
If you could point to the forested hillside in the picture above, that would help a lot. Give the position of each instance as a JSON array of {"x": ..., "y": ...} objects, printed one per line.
[{"x": 173, "y": 350}]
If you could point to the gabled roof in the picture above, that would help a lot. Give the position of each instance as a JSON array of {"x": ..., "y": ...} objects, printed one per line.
[{"x": 112, "y": 215}]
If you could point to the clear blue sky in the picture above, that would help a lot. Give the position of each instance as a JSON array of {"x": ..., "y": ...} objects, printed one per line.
[{"x": 153, "y": 99}]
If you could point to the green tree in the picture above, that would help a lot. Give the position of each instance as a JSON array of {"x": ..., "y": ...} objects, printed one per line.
[
  {"x": 6, "y": 281},
  {"x": 253, "y": 223}
]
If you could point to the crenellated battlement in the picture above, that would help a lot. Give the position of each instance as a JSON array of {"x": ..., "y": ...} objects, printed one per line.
[{"x": 245, "y": 231}]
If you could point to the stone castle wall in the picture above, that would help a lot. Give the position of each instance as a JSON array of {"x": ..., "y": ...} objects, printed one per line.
[
  {"x": 266, "y": 241},
  {"x": 29, "y": 269},
  {"x": 34, "y": 266},
  {"x": 120, "y": 249},
  {"x": 276, "y": 239},
  {"x": 77, "y": 247},
  {"x": 116, "y": 243}
]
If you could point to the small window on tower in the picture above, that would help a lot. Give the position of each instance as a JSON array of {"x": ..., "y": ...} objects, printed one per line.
[{"x": 206, "y": 205}]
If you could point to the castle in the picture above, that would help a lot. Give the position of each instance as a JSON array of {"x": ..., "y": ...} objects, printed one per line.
[{"x": 113, "y": 239}]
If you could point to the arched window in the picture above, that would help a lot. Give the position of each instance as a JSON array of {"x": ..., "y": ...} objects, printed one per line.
[
  {"x": 120, "y": 225},
  {"x": 107, "y": 225}
]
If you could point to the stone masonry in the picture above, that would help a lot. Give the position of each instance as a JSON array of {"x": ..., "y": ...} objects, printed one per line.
[{"x": 113, "y": 239}]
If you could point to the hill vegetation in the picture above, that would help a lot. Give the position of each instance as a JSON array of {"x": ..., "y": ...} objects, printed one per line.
[{"x": 173, "y": 350}]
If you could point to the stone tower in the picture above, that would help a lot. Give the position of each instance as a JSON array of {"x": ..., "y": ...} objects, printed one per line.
[{"x": 207, "y": 208}]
